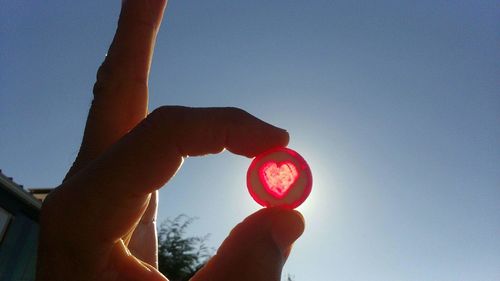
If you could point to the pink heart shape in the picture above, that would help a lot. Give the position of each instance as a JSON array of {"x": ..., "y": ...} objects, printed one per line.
[{"x": 277, "y": 178}]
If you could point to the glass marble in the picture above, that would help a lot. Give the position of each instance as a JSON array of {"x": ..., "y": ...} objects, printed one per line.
[{"x": 279, "y": 177}]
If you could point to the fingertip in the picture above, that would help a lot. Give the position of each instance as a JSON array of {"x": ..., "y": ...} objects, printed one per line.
[
  {"x": 257, "y": 248},
  {"x": 284, "y": 226},
  {"x": 288, "y": 226},
  {"x": 285, "y": 137},
  {"x": 256, "y": 138},
  {"x": 276, "y": 137},
  {"x": 282, "y": 136},
  {"x": 267, "y": 138}
]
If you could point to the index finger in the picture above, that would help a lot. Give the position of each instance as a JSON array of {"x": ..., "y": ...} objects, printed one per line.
[{"x": 112, "y": 192}]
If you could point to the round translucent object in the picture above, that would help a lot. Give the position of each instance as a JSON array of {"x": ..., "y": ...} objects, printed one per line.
[{"x": 279, "y": 177}]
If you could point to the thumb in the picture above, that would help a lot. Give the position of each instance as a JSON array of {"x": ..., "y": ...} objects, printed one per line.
[{"x": 257, "y": 248}]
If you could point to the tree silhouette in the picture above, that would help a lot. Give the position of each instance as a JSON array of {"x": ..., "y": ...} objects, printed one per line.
[{"x": 180, "y": 257}]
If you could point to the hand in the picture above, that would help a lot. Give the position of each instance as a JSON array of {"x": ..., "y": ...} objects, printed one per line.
[{"x": 99, "y": 224}]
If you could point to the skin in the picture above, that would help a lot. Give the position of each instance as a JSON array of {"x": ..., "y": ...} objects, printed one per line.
[{"x": 99, "y": 224}]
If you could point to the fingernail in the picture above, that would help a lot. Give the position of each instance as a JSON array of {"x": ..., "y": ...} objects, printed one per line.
[{"x": 286, "y": 229}]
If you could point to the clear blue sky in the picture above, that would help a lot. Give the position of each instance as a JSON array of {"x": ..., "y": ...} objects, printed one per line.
[{"x": 395, "y": 104}]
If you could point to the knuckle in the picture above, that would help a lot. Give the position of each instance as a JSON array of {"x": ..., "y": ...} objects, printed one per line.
[
  {"x": 114, "y": 75},
  {"x": 237, "y": 115},
  {"x": 164, "y": 120},
  {"x": 104, "y": 78},
  {"x": 236, "y": 111},
  {"x": 104, "y": 71},
  {"x": 169, "y": 110},
  {"x": 169, "y": 115}
]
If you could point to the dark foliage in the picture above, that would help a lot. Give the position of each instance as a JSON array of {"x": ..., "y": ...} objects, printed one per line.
[{"x": 180, "y": 257}]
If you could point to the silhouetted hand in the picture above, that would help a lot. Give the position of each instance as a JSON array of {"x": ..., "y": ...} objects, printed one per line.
[{"x": 99, "y": 224}]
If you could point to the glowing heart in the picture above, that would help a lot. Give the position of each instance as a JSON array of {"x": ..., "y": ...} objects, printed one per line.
[{"x": 278, "y": 178}]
